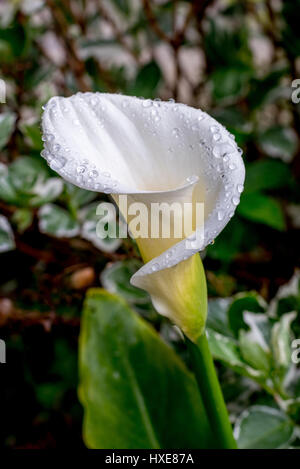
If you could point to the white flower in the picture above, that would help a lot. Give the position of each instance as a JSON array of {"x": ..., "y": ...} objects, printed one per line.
[{"x": 152, "y": 151}]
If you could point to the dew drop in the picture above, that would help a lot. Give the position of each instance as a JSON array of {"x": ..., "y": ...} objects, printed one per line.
[
  {"x": 220, "y": 215},
  {"x": 93, "y": 174},
  {"x": 58, "y": 163},
  {"x": 80, "y": 169},
  {"x": 175, "y": 132},
  {"x": 235, "y": 200},
  {"x": 56, "y": 147},
  {"x": 48, "y": 137},
  {"x": 169, "y": 254},
  {"x": 147, "y": 103},
  {"x": 240, "y": 188},
  {"x": 45, "y": 154},
  {"x": 191, "y": 179},
  {"x": 214, "y": 129}
]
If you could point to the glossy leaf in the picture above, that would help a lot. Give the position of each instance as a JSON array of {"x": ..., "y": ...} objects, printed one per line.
[
  {"x": 248, "y": 301},
  {"x": 262, "y": 209},
  {"x": 90, "y": 224},
  {"x": 279, "y": 142},
  {"x": 147, "y": 81},
  {"x": 116, "y": 279},
  {"x": 7, "y": 124},
  {"x": 7, "y": 242},
  {"x": 135, "y": 391},
  {"x": 262, "y": 427},
  {"x": 56, "y": 221},
  {"x": 267, "y": 174},
  {"x": 281, "y": 341}
]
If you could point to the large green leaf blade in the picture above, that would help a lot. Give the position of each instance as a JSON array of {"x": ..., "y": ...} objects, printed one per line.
[{"x": 135, "y": 391}]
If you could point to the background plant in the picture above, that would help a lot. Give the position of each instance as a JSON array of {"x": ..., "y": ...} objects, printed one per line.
[{"x": 236, "y": 60}]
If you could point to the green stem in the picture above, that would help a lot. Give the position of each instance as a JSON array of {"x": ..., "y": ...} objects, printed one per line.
[{"x": 211, "y": 393}]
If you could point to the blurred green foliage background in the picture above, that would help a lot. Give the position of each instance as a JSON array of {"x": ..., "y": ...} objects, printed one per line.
[{"x": 235, "y": 60}]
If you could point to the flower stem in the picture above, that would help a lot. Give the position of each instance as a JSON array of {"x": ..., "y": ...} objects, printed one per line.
[{"x": 211, "y": 393}]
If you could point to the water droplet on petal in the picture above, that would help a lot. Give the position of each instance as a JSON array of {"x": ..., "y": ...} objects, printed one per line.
[
  {"x": 240, "y": 188},
  {"x": 58, "y": 163},
  {"x": 147, "y": 103},
  {"x": 80, "y": 169},
  {"x": 45, "y": 154},
  {"x": 217, "y": 137},
  {"x": 93, "y": 174},
  {"x": 214, "y": 129},
  {"x": 220, "y": 215},
  {"x": 191, "y": 179},
  {"x": 56, "y": 147},
  {"x": 235, "y": 200}
]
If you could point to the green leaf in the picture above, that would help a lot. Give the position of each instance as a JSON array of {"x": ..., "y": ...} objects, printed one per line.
[
  {"x": 116, "y": 279},
  {"x": 227, "y": 47},
  {"x": 262, "y": 427},
  {"x": 263, "y": 209},
  {"x": 30, "y": 179},
  {"x": 7, "y": 125},
  {"x": 33, "y": 133},
  {"x": 78, "y": 197},
  {"x": 281, "y": 341},
  {"x": 27, "y": 171},
  {"x": 279, "y": 142},
  {"x": 254, "y": 342},
  {"x": 146, "y": 81},
  {"x": 22, "y": 218},
  {"x": 135, "y": 391},
  {"x": 225, "y": 349},
  {"x": 56, "y": 221},
  {"x": 217, "y": 318},
  {"x": 235, "y": 238},
  {"x": 92, "y": 221},
  {"x": 266, "y": 89},
  {"x": 7, "y": 191},
  {"x": 287, "y": 298},
  {"x": 267, "y": 174},
  {"x": 15, "y": 36},
  {"x": 7, "y": 242},
  {"x": 248, "y": 301},
  {"x": 230, "y": 82}
]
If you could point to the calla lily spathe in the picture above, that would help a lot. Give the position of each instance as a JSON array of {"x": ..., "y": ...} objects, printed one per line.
[{"x": 151, "y": 151}]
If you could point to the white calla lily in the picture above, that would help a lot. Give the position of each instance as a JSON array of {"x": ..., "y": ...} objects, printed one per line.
[{"x": 151, "y": 151}]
